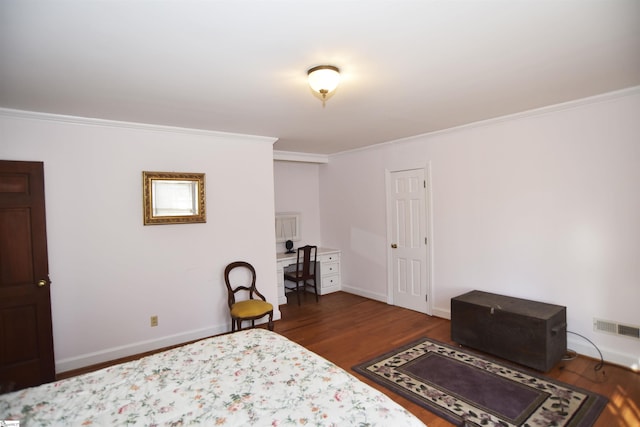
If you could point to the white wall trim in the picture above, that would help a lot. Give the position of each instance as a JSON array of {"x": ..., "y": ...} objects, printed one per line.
[
  {"x": 437, "y": 312},
  {"x": 119, "y": 352},
  {"x": 114, "y": 353},
  {"x": 610, "y": 355},
  {"x": 444, "y": 313},
  {"x": 23, "y": 114},
  {"x": 523, "y": 114},
  {"x": 292, "y": 156},
  {"x": 364, "y": 293}
]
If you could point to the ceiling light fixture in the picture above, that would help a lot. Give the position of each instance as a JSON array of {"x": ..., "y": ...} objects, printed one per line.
[{"x": 323, "y": 79}]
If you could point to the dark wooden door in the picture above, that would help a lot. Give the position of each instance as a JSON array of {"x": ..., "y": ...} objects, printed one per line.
[{"x": 26, "y": 338}]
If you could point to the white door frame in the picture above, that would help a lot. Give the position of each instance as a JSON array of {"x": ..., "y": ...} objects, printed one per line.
[{"x": 428, "y": 229}]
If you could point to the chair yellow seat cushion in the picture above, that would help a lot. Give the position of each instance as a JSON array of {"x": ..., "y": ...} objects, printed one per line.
[{"x": 250, "y": 308}]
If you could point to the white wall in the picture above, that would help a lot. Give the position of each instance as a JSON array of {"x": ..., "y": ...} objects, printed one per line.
[
  {"x": 110, "y": 273},
  {"x": 298, "y": 190},
  {"x": 544, "y": 206}
]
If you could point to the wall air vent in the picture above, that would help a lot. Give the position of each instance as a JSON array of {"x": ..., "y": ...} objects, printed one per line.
[{"x": 615, "y": 328}]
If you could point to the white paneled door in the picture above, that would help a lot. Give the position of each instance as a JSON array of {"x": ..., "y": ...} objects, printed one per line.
[{"x": 407, "y": 207}]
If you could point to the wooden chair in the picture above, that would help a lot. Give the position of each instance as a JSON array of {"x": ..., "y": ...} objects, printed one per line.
[
  {"x": 303, "y": 272},
  {"x": 250, "y": 309}
]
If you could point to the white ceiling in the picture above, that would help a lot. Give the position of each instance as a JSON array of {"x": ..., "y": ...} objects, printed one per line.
[{"x": 408, "y": 67}]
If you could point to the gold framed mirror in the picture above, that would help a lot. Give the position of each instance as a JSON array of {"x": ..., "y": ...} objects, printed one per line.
[{"x": 173, "y": 198}]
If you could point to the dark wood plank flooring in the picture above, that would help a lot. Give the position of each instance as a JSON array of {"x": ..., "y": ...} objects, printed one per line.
[{"x": 347, "y": 329}]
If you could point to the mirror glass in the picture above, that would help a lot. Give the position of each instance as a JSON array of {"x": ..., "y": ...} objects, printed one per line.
[
  {"x": 287, "y": 226},
  {"x": 173, "y": 198}
]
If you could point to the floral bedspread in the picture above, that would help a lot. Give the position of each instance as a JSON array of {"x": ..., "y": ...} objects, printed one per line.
[{"x": 248, "y": 378}]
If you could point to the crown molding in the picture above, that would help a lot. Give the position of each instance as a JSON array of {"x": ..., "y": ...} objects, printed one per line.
[
  {"x": 595, "y": 99},
  {"x": 292, "y": 156},
  {"x": 86, "y": 121}
]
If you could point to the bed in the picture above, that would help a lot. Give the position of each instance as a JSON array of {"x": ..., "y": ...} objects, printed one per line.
[{"x": 249, "y": 378}]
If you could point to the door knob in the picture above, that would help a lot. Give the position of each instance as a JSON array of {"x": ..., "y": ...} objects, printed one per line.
[
  {"x": 394, "y": 246},
  {"x": 42, "y": 283}
]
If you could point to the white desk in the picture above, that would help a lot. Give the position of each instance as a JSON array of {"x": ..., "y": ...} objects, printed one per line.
[{"x": 328, "y": 263}]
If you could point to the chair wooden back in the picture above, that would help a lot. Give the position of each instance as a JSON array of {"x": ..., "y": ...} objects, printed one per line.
[
  {"x": 306, "y": 264},
  {"x": 232, "y": 290}
]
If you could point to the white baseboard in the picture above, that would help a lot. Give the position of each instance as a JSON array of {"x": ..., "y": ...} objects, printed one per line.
[
  {"x": 364, "y": 293},
  {"x": 114, "y": 353},
  {"x": 584, "y": 348},
  {"x": 441, "y": 312},
  {"x": 437, "y": 312}
]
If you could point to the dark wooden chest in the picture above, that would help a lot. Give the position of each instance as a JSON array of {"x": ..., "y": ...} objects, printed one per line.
[{"x": 530, "y": 333}]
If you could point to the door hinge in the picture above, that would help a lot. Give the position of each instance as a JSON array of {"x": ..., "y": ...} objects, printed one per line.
[
  {"x": 424, "y": 183},
  {"x": 425, "y": 240},
  {"x": 426, "y": 298}
]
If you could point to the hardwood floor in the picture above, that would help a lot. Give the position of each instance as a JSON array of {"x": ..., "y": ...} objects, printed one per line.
[{"x": 347, "y": 329}]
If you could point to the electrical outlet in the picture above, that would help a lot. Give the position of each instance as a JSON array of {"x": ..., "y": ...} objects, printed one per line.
[{"x": 154, "y": 321}]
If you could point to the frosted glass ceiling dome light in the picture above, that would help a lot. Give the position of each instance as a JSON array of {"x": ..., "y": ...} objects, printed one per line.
[{"x": 324, "y": 79}]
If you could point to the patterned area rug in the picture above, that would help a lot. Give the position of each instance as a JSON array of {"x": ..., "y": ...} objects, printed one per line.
[{"x": 468, "y": 389}]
